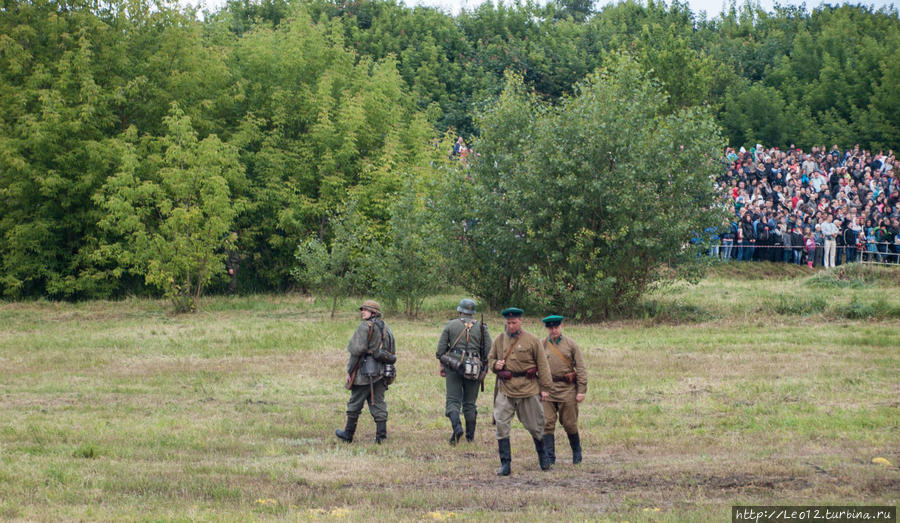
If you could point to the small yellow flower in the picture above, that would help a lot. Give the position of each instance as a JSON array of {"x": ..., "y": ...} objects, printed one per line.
[
  {"x": 440, "y": 516},
  {"x": 654, "y": 509},
  {"x": 266, "y": 501},
  {"x": 339, "y": 512},
  {"x": 881, "y": 461}
]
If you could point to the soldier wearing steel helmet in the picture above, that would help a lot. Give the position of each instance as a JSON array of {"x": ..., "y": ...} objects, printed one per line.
[
  {"x": 463, "y": 350},
  {"x": 368, "y": 372}
]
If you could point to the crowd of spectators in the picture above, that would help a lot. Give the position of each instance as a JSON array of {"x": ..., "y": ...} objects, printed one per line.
[{"x": 822, "y": 207}]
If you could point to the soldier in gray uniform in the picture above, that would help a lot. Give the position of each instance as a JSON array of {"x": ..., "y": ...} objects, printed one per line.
[
  {"x": 369, "y": 371},
  {"x": 463, "y": 351}
]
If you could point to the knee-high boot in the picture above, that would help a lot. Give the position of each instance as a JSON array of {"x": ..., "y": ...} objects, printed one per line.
[
  {"x": 550, "y": 447},
  {"x": 457, "y": 427},
  {"x": 470, "y": 428},
  {"x": 349, "y": 430},
  {"x": 542, "y": 456},
  {"x": 505, "y": 457},
  {"x": 575, "y": 442},
  {"x": 380, "y": 431}
]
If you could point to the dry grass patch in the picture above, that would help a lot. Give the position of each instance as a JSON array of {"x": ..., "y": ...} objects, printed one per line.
[{"x": 120, "y": 411}]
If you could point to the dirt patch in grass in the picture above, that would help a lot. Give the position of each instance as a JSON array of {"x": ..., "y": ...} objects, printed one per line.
[{"x": 604, "y": 482}]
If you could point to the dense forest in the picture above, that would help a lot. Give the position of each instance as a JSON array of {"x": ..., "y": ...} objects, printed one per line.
[{"x": 146, "y": 147}]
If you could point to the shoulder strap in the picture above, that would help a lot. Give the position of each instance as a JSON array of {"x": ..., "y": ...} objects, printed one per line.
[
  {"x": 464, "y": 331},
  {"x": 511, "y": 345},
  {"x": 559, "y": 353}
]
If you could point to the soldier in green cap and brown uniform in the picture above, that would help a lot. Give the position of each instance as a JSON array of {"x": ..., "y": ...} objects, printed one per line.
[
  {"x": 523, "y": 379},
  {"x": 369, "y": 371},
  {"x": 569, "y": 385},
  {"x": 463, "y": 350}
]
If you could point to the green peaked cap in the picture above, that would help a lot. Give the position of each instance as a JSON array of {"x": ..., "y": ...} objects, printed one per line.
[
  {"x": 512, "y": 312},
  {"x": 552, "y": 321}
]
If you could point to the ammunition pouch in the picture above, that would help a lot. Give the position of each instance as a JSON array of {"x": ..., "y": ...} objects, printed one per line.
[
  {"x": 568, "y": 377},
  {"x": 529, "y": 373}
]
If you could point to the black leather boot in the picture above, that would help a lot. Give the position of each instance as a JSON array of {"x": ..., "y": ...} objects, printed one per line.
[
  {"x": 457, "y": 428},
  {"x": 550, "y": 447},
  {"x": 542, "y": 456},
  {"x": 380, "y": 431},
  {"x": 575, "y": 442},
  {"x": 470, "y": 429},
  {"x": 349, "y": 430},
  {"x": 505, "y": 457}
]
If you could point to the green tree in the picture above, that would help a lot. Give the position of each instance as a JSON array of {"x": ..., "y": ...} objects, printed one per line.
[
  {"x": 410, "y": 265},
  {"x": 589, "y": 197},
  {"x": 171, "y": 213},
  {"x": 484, "y": 231},
  {"x": 316, "y": 125},
  {"x": 341, "y": 267}
]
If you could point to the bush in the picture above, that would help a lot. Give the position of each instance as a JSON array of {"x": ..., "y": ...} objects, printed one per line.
[
  {"x": 575, "y": 208},
  {"x": 790, "y": 305},
  {"x": 859, "y": 310},
  {"x": 855, "y": 276}
]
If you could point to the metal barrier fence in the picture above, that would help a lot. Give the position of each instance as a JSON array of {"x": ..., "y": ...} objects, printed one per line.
[{"x": 885, "y": 253}]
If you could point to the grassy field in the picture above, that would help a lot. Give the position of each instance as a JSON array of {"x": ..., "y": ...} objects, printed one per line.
[{"x": 776, "y": 390}]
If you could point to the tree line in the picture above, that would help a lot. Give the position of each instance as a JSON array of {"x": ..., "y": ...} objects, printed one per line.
[{"x": 148, "y": 148}]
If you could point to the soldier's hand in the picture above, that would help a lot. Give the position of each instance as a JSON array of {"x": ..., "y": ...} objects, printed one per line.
[
  {"x": 443, "y": 372},
  {"x": 579, "y": 397},
  {"x": 499, "y": 365},
  {"x": 544, "y": 395}
]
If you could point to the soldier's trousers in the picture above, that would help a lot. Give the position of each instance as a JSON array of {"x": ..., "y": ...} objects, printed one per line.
[
  {"x": 359, "y": 395},
  {"x": 529, "y": 411},
  {"x": 461, "y": 391},
  {"x": 567, "y": 411}
]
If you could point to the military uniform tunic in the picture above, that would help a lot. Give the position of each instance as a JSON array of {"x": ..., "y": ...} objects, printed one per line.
[
  {"x": 561, "y": 400},
  {"x": 520, "y": 395}
]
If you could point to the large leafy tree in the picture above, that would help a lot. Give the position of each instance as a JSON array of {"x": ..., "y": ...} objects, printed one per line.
[
  {"x": 74, "y": 75},
  {"x": 169, "y": 210},
  {"x": 316, "y": 125},
  {"x": 576, "y": 208},
  {"x": 485, "y": 232}
]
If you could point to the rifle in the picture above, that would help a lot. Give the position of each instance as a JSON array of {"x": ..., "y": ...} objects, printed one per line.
[{"x": 484, "y": 363}]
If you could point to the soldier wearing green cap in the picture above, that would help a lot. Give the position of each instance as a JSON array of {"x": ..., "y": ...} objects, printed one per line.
[
  {"x": 569, "y": 385},
  {"x": 369, "y": 371},
  {"x": 523, "y": 379},
  {"x": 463, "y": 350}
]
